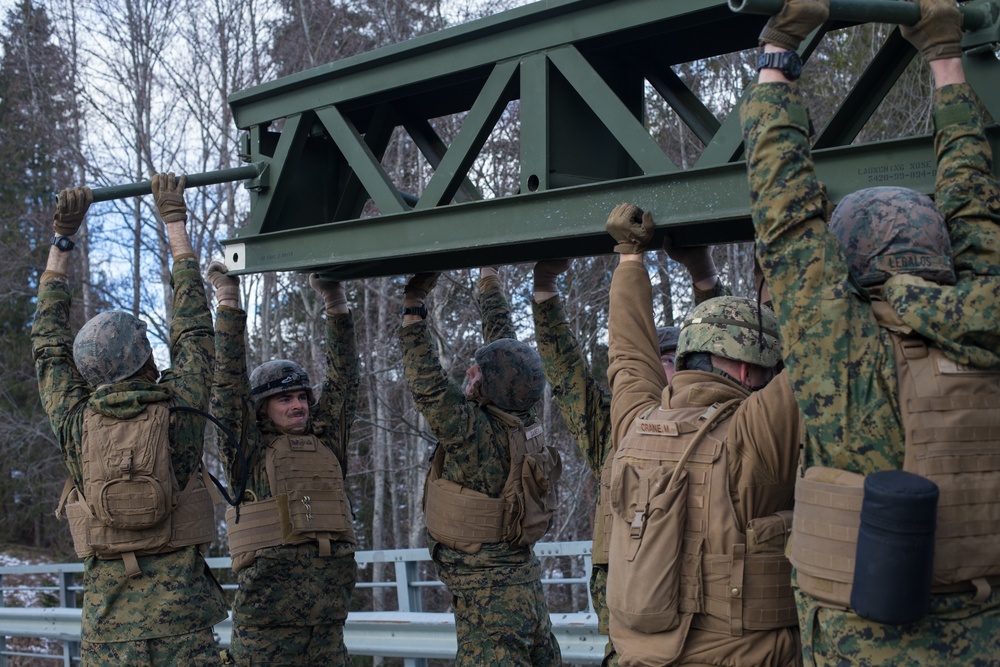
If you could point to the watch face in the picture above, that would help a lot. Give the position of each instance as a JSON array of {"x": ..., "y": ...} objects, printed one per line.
[
  {"x": 63, "y": 243},
  {"x": 792, "y": 66}
]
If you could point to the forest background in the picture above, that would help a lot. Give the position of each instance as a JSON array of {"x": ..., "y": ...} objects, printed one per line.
[{"x": 106, "y": 92}]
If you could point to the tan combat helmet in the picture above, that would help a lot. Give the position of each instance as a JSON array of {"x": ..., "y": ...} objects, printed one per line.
[{"x": 111, "y": 347}]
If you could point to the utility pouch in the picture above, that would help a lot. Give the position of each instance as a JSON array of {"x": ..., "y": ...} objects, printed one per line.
[
  {"x": 644, "y": 585},
  {"x": 895, "y": 558}
]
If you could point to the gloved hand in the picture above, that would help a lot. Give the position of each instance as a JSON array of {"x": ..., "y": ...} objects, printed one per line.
[
  {"x": 696, "y": 259},
  {"x": 71, "y": 208},
  {"x": 794, "y": 22},
  {"x": 168, "y": 193},
  {"x": 488, "y": 275},
  {"x": 938, "y": 33},
  {"x": 417, "y": 288},
  {"x": 546, "y": 272},
  {"x": 332, "y": 291},
  {"x": 632, "y": 228},
  {"x": 227, "y": 287}
]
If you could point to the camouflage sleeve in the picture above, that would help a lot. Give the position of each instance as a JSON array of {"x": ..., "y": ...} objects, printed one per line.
[
  {"x": 719, "y": 289},
  {"x": 634, "y": 371},
  {"x": 192, "y": 353},
  {"x": 338, "y": 401},
  {"x": 231, "y": 390},
  {"x": 841, "y": 371},
  {"x": 61, "y": 387},
  {"x": 495, "y": 311},
  {"x": 966, "y": 192},
  {"x": 460, "y": 426},
  {"x": 584, "y": 403},
  {"x": 192, "y": 339}
]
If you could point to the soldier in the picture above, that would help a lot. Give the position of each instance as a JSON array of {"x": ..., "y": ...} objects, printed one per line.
[
  {"x": 490, "y": 492},
  {"x": 666, "y": 338},
  {"x": 586, "y": 405},
  {"x": 892, "y": 347},
  {"x": 701, "y": 479},
  {"x": 137, "y": 505},
  {"x": 291, "y": 539}
]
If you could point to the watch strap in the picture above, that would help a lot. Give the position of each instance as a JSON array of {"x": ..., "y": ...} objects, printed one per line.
[{"x": 420, "y": 310}]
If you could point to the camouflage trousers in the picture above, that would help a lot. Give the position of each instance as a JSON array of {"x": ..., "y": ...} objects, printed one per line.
[
  {"x": 505, "y": 626},
  {"x": 599, "y": 596},
  {"x": 195, "y": 649},
  {"x": 289, "y": 646},
  {"x": 956, "y": 632}
]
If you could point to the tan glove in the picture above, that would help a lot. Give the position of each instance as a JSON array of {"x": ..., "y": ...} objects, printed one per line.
[
  {"x": 417, "y": 288},
  {"x": 938, "y": 33},
  {"x": 632, "y": 228},
  {"x": 794, "y": 22},
  {"x": 547, "y": 271},
  {"x": 696, "y": 259},
  {"x": 227, "y": 287},
  {"x": 71, "y": 209},
  {"x": 168, "y": 193},
  {"x": 332, "y": 291}
]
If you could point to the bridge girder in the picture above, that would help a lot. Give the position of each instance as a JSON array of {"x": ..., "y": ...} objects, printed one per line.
[{"x": 577, "y": 69}]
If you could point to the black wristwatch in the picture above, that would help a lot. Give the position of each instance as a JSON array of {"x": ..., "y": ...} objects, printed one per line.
[
  {"x": 788, "y": 62},
  {"x": 420, "y": 310},
  {"x": 64, "y": 243}
]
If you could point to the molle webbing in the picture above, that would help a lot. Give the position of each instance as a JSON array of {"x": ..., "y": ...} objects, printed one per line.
[
  {"x": 722, "y": 587},
  {"x": 951, "y": 417},
  {"x": 825, "y": 533},
  {"x": 462, "y": 518},
  {"x": 309, "y": 503},
  {"x": 465, "y": 519},
  {"x": 130, "y": 505}
]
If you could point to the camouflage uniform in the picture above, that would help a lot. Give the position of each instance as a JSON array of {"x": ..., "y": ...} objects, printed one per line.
[
  {"x": 291, "y": 604},
  {"x": 169, "y": 610},
  {"x": 586, "y": 408},
  {"x": 500, "y": 613},
  {"x": 841, "y": 363},
  {"x": 762, "y": 441}
]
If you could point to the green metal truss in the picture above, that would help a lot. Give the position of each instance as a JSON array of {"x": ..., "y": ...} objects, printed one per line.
[{"x": 578, "y": 69}]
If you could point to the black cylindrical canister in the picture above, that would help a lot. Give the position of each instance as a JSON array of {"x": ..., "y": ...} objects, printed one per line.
[{"x": 895, "y": 557}]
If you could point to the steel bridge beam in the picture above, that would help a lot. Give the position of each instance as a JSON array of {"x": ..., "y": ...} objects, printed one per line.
[{"x": 576, "y": 71}]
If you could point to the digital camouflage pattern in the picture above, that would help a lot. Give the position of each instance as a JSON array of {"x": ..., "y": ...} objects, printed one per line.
[
  {"x": 277, "y": 377},
  {"x": 585, "y": 405},
  {"x": 477, "y": 457},
  {"x": 110, "y": 347},
  {"x": 176, "y": 594},
  {"x": 197, "y": 649},
  {"x": 512, "y": 374},
  {"x": 732, "y": 327},
  {"x": 840, "y": 362},
  {"x": 888, "y": 230},
  {"x": 289, "y": 597},
  {"x": 504, "y": 626}
]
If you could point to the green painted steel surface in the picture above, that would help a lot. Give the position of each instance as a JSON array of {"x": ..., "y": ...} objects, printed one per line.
[{"x": 577, "y": 71}]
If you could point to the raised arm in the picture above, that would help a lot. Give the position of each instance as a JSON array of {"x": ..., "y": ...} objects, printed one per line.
[{"x": 493, "y": 307}]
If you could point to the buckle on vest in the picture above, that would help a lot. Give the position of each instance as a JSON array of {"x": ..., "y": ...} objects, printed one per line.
[
  {"x": 635, "y": 530},
  {"x": 308, "y": 506}
]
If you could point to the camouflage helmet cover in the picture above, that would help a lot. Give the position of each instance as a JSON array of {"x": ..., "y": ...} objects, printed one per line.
[
  {"x": 667, "y": 338},
  {"x": 890, "y": 230},
  {"x": 731, "y": 327},
  {"x": 111, "y": 347},
  {"x": 277, "y": 377},
  {"x": 512, "y": 374}
]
